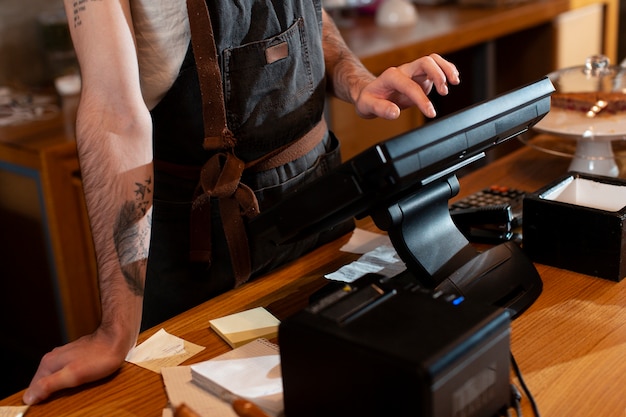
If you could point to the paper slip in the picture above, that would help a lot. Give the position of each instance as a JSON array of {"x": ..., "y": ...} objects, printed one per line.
[
  {"x": 162, "y": 349},
  {"x": 243, "y": 327},
  {"x": 363, "y": 241},
  {"x": 251, "y": 372},
  {"x": 383, "y": 260},
  {"x": 17, "y": 411}
]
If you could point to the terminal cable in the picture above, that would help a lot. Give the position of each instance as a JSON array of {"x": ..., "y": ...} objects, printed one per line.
[{"x": 516, "y": 396}]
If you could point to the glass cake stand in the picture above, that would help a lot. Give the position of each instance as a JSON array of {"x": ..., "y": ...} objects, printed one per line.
[
  {"x": 594, "y": 139},
  {"x": 613, "y": 163}
]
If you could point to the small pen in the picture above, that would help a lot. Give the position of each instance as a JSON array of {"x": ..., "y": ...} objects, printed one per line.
[
  {"x": 245, "y": 408},
  {"x": 184, "y": 411}
]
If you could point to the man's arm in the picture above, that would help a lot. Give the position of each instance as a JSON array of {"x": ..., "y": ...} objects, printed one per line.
[
  {"x": 114, "y": 140},
  {"x": 395, "y": 89}
]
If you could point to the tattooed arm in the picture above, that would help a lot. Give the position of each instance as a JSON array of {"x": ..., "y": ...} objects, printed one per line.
[
  {"x": 114, "y": 140},
  {"x": 395, "y": 89}
]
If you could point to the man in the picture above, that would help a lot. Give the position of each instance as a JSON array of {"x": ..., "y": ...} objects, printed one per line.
[{"x": 140, "y": 128}]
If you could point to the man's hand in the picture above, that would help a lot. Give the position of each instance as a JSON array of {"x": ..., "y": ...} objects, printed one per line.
[
  {"x": 408, "y": 85},
  {"x": 85, "y": 360}
]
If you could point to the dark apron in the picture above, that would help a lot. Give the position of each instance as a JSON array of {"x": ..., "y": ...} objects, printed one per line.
[{"x": 267, "y": 107}]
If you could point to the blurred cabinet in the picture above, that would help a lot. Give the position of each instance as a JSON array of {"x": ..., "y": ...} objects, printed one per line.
[
  {"x": 48, "y": 273},
  {"x": 579, "y": 34}
]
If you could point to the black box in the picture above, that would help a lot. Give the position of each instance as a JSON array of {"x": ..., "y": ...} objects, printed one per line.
[
  {"x": 400, "y": 353},
  {"x": 577, "y": 223}
]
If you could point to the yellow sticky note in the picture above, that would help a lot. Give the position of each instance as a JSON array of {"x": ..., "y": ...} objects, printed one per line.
[{"x": 243, "y": 327}]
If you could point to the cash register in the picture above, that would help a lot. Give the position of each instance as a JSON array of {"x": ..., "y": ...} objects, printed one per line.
[{"x": 434, "y": 340}]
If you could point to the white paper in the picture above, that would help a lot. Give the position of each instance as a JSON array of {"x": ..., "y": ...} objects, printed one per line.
[
  {"x": 159, "y": 345},
  {"x": 10, "y": 411},
  {"x": 251, "y": 371},
  {"x": 181, "y": 390},
  {"x": 256, "y": 380},
  {"x": 383, "y": 260},
  {"x": 363, "y": 241},
  {"x": 162, "y": 350}
]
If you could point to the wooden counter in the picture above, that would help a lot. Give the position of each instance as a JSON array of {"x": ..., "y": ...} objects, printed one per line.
[{"x": 570, "y": 344}]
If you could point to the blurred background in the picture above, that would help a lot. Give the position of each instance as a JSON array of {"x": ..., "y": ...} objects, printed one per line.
[{"x": 34, "y": 43}]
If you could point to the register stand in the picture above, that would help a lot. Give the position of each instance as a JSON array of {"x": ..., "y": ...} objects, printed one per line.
[{"x": 434, "y": 340}]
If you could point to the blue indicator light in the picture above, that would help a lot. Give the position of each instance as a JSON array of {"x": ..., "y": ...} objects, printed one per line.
[{"x": 458, "y": 301}]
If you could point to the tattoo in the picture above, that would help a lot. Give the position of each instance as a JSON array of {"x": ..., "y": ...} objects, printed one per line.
[
  {"x": 131, "y": 234},
  {"x": 79, "y": 7},
  {"x": 141, "y": 196}
]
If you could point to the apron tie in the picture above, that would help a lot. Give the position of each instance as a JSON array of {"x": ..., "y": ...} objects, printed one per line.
[{"x": 220, "y": 178}]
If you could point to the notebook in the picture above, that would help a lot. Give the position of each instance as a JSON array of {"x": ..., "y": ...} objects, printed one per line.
[{"x": 251, "y": 371}]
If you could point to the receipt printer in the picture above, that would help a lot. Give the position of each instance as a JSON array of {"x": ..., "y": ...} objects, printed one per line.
[{"x": 374, "y": 350}]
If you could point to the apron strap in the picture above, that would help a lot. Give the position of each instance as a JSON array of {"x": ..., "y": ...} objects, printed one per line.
[
  {"x": 217, "y": 135},
  {"x": 291, "y": 151}
]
